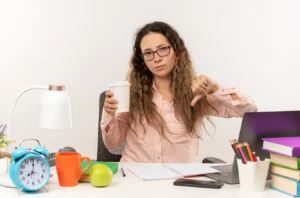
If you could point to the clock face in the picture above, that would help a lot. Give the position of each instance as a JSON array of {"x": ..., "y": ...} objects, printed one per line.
[{"x": 33, "y": 172}]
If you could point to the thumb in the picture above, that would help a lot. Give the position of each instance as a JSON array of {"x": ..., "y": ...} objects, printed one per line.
[{"x": 195, "y": 99}]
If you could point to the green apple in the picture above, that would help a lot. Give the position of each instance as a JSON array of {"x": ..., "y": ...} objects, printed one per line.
[{"x": 101, "y": 175}]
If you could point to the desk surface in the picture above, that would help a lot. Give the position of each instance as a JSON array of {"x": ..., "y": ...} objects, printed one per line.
[{"x": 131, "y": 186}]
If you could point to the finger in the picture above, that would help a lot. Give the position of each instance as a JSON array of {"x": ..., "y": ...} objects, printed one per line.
[
  {"x": 202, "y": 81},
  {"x": 198, "y": 90},
  {"x": 200, "y": 84},
  {"x": 201, "y": 91},
  {"x": 110, "y": 106},
  {"x": 197, "y": 86},
  {"x": 109, "y": 111},
  {"x": 109, "y": 94},
  {"x": 111, "y": 100},
  {"x": 195, "y": 99},
  {"x": 201, "y": 87},
  {"x": 194, "y": 88}
]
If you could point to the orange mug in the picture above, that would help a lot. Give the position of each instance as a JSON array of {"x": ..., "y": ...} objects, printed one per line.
[{"x": 68, "y": 165}]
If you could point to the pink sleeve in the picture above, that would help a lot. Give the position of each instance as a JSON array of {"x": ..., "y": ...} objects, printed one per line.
[
  {"x": 228, "y": 102},
  {"x": 114, "y": 129}
]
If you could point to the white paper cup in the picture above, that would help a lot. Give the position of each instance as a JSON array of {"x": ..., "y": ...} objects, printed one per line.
[
  {"x": 121, "y": 92},
  {"x": 253, "y": 175}
]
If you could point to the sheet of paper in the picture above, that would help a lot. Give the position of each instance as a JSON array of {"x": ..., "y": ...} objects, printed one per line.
[
  {"x": 152, "y": 172},
  {"x": 191, "y": 169}
]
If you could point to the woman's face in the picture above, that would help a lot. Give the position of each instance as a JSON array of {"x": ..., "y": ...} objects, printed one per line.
[{"x": 158, "y": 54}]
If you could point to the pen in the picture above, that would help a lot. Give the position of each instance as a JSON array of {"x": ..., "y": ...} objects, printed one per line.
[{"x": 123, "y": 172}]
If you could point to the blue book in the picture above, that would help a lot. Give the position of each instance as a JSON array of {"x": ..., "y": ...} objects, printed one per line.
[{"x": 285, "y": 185}]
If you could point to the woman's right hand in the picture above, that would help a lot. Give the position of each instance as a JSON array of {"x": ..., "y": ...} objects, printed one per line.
[{"x": 110, "y": 104}]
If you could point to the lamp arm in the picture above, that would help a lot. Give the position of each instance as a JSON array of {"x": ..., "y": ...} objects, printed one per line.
[{"x": 8, "y": 128}]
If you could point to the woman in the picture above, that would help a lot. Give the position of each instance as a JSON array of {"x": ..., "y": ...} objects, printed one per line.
[{"x": 168, "y": 103}]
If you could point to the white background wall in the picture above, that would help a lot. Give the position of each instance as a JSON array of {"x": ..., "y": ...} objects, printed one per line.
[{"x": 253, "y": 45}]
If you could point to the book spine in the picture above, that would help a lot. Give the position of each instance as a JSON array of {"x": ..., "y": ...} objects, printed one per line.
[
  {"x": 280, "y": 188},
  {"x": 298, "y": 189},
  {"x": 284, "y": 192}
]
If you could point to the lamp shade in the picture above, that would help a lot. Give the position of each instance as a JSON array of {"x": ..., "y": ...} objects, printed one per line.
[{"x": 55, "y": 110}]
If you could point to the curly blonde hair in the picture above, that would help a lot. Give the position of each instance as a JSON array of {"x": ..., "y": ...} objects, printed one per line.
[{"x": 141, "y": 79}]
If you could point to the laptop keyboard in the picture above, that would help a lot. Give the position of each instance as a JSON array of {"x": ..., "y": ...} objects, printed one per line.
[
  {"x": 225, "y": 174},
  {"x": 223, "y": 168},
  {"x": 224, "y": 177}
]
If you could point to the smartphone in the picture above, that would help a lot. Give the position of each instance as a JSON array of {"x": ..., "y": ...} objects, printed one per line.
[{"x": 198, "y": 183}]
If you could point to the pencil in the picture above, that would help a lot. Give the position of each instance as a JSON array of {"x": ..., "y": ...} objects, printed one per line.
[
  {"x": 245, "y": 151},
  {"x": 249, "y": 151},
  {"x": 235, "y": 141},
  {"x": 254, "y": 157},
  {"x": 238, "y": 152},
  {"x": 242, "y": 154},
  {"x": 234, "y": 148}
]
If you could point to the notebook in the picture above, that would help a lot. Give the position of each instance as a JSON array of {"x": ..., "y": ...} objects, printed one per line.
[
  {"x": 169, "y": 171},
  {"x": 289, "y": 146}
]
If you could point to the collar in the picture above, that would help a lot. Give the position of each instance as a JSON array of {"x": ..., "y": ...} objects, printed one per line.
[{"x": 154, "y": 88}]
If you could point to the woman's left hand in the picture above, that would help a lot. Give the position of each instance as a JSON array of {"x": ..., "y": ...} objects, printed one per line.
[{"x": 202, "y": 86}]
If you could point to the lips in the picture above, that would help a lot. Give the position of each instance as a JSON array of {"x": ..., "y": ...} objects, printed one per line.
[{"x": 159, "y": 67}]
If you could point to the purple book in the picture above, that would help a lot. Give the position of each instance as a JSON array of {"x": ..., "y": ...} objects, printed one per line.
[{"x": 289, "y": 146}]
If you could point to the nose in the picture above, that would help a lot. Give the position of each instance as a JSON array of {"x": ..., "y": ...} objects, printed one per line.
[{"x": 157, "y": 58}]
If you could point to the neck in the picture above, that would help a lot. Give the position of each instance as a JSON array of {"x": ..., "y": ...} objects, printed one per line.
[{"x": 163, "y": 85}]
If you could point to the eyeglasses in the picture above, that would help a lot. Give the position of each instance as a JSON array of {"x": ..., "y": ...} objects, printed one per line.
[{"x": 163, "y": 51}]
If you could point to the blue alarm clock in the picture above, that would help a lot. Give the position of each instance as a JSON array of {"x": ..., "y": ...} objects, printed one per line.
[{"x": 30, "y": 170}]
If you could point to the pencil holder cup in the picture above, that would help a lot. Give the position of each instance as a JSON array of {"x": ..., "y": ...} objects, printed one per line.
[{"x": 253, "y": 175}]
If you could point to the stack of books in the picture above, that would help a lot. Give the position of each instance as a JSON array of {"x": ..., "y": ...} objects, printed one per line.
[{"x": 285, "y": 163}]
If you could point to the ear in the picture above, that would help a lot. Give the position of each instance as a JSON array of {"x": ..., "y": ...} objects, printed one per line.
[
  {"x": 41, "y": 150},
  {"x": 18, "y": 153}
]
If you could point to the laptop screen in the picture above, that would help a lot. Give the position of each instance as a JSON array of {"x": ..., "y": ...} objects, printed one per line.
[{"x": 258, "y": 125}]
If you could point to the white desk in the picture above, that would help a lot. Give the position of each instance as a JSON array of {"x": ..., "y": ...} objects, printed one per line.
[{"x": 131, "y": 186}]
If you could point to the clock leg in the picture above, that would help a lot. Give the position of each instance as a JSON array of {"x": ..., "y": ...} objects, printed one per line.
[
  {"x": 46, "y": 189},
  {"x": 21, "y": 191}
]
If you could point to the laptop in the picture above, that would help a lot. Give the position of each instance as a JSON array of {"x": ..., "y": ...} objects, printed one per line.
[{"x": 254, "y": 127}]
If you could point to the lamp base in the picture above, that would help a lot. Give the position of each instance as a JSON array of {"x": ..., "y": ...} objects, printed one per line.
[{"x": 5, "y": 181}]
